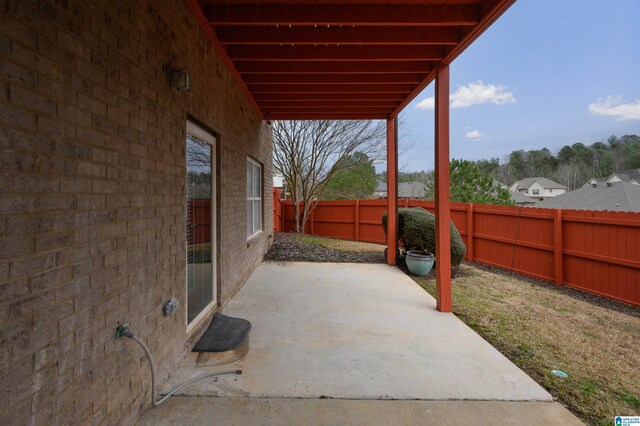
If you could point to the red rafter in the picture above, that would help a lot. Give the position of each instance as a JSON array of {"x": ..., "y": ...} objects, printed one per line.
[
  {"x": 330, "y": 88},
  {"x": 370, "y": 67},
  {"x": 332, "y": 78},
  {"x": 335, "y": 53},
  {"x": 343, "y": 36},
  {"x": 360, "y": 15}
]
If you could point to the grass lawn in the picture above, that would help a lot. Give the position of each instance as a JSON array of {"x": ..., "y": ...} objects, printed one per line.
[{"x": 541, "y": 329}]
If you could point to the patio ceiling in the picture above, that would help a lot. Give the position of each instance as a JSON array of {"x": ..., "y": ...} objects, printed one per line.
[{"x": 340, "y": 59}]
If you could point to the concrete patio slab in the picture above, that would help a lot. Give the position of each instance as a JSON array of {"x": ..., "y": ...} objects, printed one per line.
[
  {"x": 357, "y": 331},
  {"x": 286, "y": 411}
]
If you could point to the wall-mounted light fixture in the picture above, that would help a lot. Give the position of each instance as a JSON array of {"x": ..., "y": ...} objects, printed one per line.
[{"x": 179, "y": 78}]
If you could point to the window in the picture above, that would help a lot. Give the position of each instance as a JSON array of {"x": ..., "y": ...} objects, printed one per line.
[
  {"x": 254, "y": 198},
  {"x": 536, "y": 192},
  {"x": 550, "y": 190}
]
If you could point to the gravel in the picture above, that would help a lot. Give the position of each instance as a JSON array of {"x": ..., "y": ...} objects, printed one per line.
[{"x": 286, "y": 248}]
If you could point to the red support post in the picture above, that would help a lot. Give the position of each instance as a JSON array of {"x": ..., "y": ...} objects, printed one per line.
[
  {"x": 470, "y": 232},
  {"x": 443, "y": 232},
  {"x": 392, "y": 191},
  {"x": 557, "y": 247}
]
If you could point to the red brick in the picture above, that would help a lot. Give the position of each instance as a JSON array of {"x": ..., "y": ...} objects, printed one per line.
[
  {"x": 17, "y": 117},
  {"x": 25, "y": 267},
  {"x": 50, "y": 279},
  {"x": 56, "y": 241},
  {"x": 15, "y": 246},
  {"x": 35, "y": 183},
  {"x": 14, "y": 72},
  {"x": 17, "y": 204},
  {"x": 31, "y": 99}
]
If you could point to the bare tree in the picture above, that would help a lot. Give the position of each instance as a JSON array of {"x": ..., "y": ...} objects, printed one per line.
[{"x": 309, "y": 152}]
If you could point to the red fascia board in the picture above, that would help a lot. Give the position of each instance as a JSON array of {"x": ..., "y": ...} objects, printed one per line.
[{"x": 196, "y": 10}]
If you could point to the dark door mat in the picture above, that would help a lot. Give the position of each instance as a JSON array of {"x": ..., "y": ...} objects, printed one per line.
[{"x": 224, "y": 334}]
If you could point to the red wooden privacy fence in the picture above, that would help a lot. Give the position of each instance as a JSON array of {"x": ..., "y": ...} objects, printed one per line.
[{"x": 598, "y": 252}]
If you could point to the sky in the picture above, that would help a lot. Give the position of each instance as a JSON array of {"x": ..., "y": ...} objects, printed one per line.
[{"x": 547, "y": 73}]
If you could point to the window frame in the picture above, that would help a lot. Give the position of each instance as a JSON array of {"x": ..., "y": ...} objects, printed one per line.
[
  {"x": 252, "y": 198},
  {"x": 536, "y": 192}
]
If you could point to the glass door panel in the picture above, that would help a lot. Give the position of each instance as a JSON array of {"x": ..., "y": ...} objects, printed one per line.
[{"x": 200, "y": 222}]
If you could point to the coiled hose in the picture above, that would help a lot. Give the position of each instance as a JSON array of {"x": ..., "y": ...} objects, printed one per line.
[{"x": 123, "y": 330}]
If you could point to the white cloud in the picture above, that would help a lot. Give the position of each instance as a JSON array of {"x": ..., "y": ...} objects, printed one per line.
[
  {"x": 474, "y": 135},
  {"x": 428, "y": 103},
  {"x": 473, "y": 94},
  {"x": 613, "y": 106}
]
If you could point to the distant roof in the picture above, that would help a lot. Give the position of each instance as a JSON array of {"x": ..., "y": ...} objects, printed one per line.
[
  {"x": 500, "y": 184},
  {"x": 627, "y": 175},
  {"x": 597, "y": 180},
  {"x": 382, "y": 186},
  {"x": 520, "y": 198},
  {"x": 616, "y": 196},
  {"x": 412, "y": 190},
  {"x": 544, "y": 182}
]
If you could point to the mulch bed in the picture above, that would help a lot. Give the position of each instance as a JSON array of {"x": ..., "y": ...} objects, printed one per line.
[{"x": 286, "y": 248}]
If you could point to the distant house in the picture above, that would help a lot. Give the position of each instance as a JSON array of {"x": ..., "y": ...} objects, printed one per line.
[
  {"x": 521, "y": 199},
  {"x": 278, "y": 181},
  {"x": 595, "y": 181},
  {"x": 608, "y": 196},
  {"x": 631, "y": 176},
  {"x": 500, "y": 184},
  {"x": 412, "y": 190},
  {"x": 381, "y": 190},
  {"x": 405, "y": 190},
  {"x": 538, "y": 187}
]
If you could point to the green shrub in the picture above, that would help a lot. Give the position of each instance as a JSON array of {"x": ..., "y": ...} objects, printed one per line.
[{"x": 417, "y": 229}]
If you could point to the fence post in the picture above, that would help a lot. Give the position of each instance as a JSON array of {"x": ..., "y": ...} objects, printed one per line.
[
  {"x": 557, "y": 247},
  {"x": 312, "y": 231},
  {"x": 470, "y": 254},
  {"x": 357, "y": 221}
]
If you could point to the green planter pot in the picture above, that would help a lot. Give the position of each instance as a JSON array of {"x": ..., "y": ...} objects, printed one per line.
[{"x": 419, "y": 262}]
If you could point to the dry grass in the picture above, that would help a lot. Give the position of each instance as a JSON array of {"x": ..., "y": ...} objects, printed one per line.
[
  {"x": 342, "y": 245},
  {"x": 541, "y": 329}
]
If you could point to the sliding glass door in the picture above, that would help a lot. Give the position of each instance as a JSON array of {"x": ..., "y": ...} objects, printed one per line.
[{"x": 201, "y": 226}]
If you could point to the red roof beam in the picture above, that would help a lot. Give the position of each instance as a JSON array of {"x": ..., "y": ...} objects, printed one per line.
[
  {"x": 335, "y": 53},
  {"x": 337, "y": 35},
  {"x": 304, "y": 103},
  {"x": 332, "y": 78},
  {"x": 358, "y": 15},
  {"x": 314, "y": 115},
  {"x": 360, "y": 68},
  {"x": 331, "y": 88},
  {"x": 333, "y": 97},
  {"x": 335, "y": 107}
]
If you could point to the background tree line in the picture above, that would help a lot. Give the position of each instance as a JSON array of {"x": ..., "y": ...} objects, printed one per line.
[{"x": 572, "y": 166}]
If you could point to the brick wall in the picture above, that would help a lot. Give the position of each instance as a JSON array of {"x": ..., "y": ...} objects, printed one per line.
[{"x": 92, "y": 199}]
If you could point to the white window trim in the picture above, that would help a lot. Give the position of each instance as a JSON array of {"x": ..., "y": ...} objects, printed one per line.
[{"x": 252, "y": 199}]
